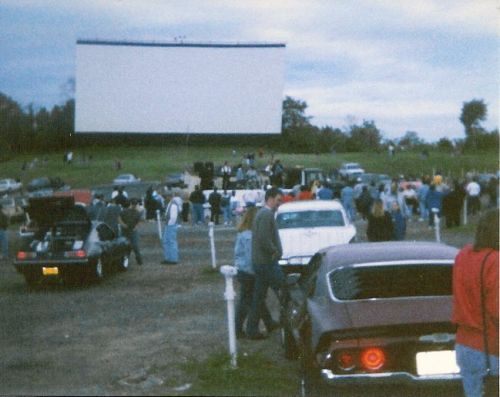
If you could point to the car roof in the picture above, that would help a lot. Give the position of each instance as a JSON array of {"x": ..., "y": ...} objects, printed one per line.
[
  {"x": 351, "y": 254},
  {"x": 310, "y": 205}
]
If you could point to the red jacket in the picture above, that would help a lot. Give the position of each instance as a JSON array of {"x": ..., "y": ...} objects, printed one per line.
[{"x": 467, "y": 298}]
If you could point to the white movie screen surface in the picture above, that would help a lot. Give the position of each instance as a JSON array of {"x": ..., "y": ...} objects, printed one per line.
[{"x": 124, "y": 87}]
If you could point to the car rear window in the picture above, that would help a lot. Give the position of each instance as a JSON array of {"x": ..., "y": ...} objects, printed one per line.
[
  {"x": 299, "y": 219},
  {"x": 391, "y": 281}
]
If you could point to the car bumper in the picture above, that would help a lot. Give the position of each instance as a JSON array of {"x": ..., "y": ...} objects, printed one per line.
[
  {"x": 387, "y": 378},
  {"x": 32, "y": 265}
]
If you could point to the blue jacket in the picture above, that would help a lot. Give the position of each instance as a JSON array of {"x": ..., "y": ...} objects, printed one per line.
[
  {"x": 434, "y": 199},
  {"x": 243, "y": 252}
]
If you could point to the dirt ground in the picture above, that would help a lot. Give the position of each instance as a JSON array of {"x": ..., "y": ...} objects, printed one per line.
[{"x": 129, "y": 334}]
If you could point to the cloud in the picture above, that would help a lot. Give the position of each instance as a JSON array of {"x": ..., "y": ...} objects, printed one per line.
[{"x": 403, "y": 64}]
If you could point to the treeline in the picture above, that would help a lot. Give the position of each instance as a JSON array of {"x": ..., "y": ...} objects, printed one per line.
[
  {"x": 299, "y": 134},
  {"x": 27, "y": 130},
  {"x": 24, "y": 130}
]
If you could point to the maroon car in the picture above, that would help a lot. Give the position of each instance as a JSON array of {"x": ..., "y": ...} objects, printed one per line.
[{"x": 373, "y": 315}]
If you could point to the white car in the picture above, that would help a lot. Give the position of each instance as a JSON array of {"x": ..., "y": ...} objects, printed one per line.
[
  {"x": 350, "y": 170},
  {"x": 305, "y": 227},
  {"x": 9, "y": 185},
  {"x": 125, "y": 179}
]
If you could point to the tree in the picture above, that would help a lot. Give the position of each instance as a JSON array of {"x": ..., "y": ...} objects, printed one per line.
[
  {"x": 297, "y": 132},
  {"x": 473, "y": 112},
  {"x": 365, "y": 137},
  {"x": 410, "y": 140},
  {"x": 332, "y": 139},
  {"x": 445, "y": 145}
]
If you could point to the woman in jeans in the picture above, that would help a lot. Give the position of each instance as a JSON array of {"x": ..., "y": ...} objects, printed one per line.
[
  {"x": 468, "y": 279},
  {"x": 246, "y": 274}
]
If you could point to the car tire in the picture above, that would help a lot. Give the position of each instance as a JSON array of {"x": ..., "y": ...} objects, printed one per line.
[
  {"x": 96, "y": 270},
  {"x": 124, "y": 263},
  {"x": 310, "y": 380},
  {"x": 289, "y": 344}
]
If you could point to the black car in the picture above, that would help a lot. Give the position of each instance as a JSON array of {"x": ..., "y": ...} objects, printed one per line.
[
  {"x": 375, "y": 317},
  {"x": 66, "y": 244},
  {"x": 45, "y": 186}
]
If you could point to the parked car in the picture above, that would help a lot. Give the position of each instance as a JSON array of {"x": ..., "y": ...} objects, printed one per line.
[
  {"x": 45, "y": 186},
  {"x": 371, "y": 314},
  {"x": 125, "y": 179},
  {"x": 66, "y": 244},
  {"x": 484, "y": 180},
  {"x": 305, "y": 227},
  {"x": 12, "y": 209},
  {"x": 350, "y": 171},
  {"x": 9, "y": 185},
  {"x": 175, "y": 180},
  {"x": 300, "y": 176}
]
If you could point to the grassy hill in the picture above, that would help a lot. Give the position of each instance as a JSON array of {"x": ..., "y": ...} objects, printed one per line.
[{"x": 154, "y": 163}]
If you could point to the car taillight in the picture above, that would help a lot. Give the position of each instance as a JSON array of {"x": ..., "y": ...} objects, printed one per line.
[
  {"x": 75, "y": 254},
  {"x": 22, "y": 255},
  {"x": 346, "y": 361},
  {"x": 372, "y": 358}
]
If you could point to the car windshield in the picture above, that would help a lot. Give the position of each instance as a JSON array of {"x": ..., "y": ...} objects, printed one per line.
[
  {"x": 300, "y": 219},
  {"x": 352, "y": 166},
  {"x": 391, "y": 281}
]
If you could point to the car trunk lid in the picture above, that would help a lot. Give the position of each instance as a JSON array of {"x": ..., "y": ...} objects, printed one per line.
[{"x": 305, "y": 242}]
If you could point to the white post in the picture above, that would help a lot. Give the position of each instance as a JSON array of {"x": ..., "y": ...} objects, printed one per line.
[
  {"x": 465, "y": 211},
  {"x": 229, "y": 272},
  {"x": 158, "y": 221},
  {"x": 437, "y": 222},
  {"x": 212, "y": 243}
]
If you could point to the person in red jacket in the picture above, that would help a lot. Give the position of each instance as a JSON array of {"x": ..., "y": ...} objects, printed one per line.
[{"x": 469, "y": 276}]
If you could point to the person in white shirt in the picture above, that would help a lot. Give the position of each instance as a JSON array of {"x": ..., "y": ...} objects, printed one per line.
[
  {"x": 169, "y": 240},
  {"x": 473, "y": 196},
  {"x": 226, "y": 175}
]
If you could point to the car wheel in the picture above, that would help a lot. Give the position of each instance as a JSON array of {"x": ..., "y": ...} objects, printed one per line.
[
  {"x": 310, "y": 380},
  {"x": 96, "y": 270},
  {"x": 124, "y": 263},
  {"x": 289, "y": 344}
]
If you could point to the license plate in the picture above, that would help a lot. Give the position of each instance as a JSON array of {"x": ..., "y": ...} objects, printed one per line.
[
  {"x": 50, "y": 271},
  {"x": 437, "y": 363}
]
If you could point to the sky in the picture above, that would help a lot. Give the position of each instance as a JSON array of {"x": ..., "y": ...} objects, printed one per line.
[{"x": 406, "y": 65}]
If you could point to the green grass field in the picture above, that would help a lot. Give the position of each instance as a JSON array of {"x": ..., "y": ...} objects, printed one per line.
[{"x": 154, "y": 163}]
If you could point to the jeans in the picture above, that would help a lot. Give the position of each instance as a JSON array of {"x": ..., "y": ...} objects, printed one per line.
[
  {"x": 424, "y": 213},
  {"x": 349, "y": 208},
  {"x": 197, "y": 216},
  {"x": 170, "y": 247},
  {"x": 473, "y": 368},
  {"x": 247, "y": 285},
  {"x": 226, "y": 212},
  {"x": 265, "y": 276},
  {"x": 4, "y": 243},
  {"x": 133, "y": 236}
]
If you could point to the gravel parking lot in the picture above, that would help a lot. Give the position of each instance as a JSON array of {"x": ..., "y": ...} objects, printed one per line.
[{"x": 129, "y": 334}]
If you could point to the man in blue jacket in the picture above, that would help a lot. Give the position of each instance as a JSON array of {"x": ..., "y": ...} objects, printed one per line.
[{"x": 434, "y": 200}]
